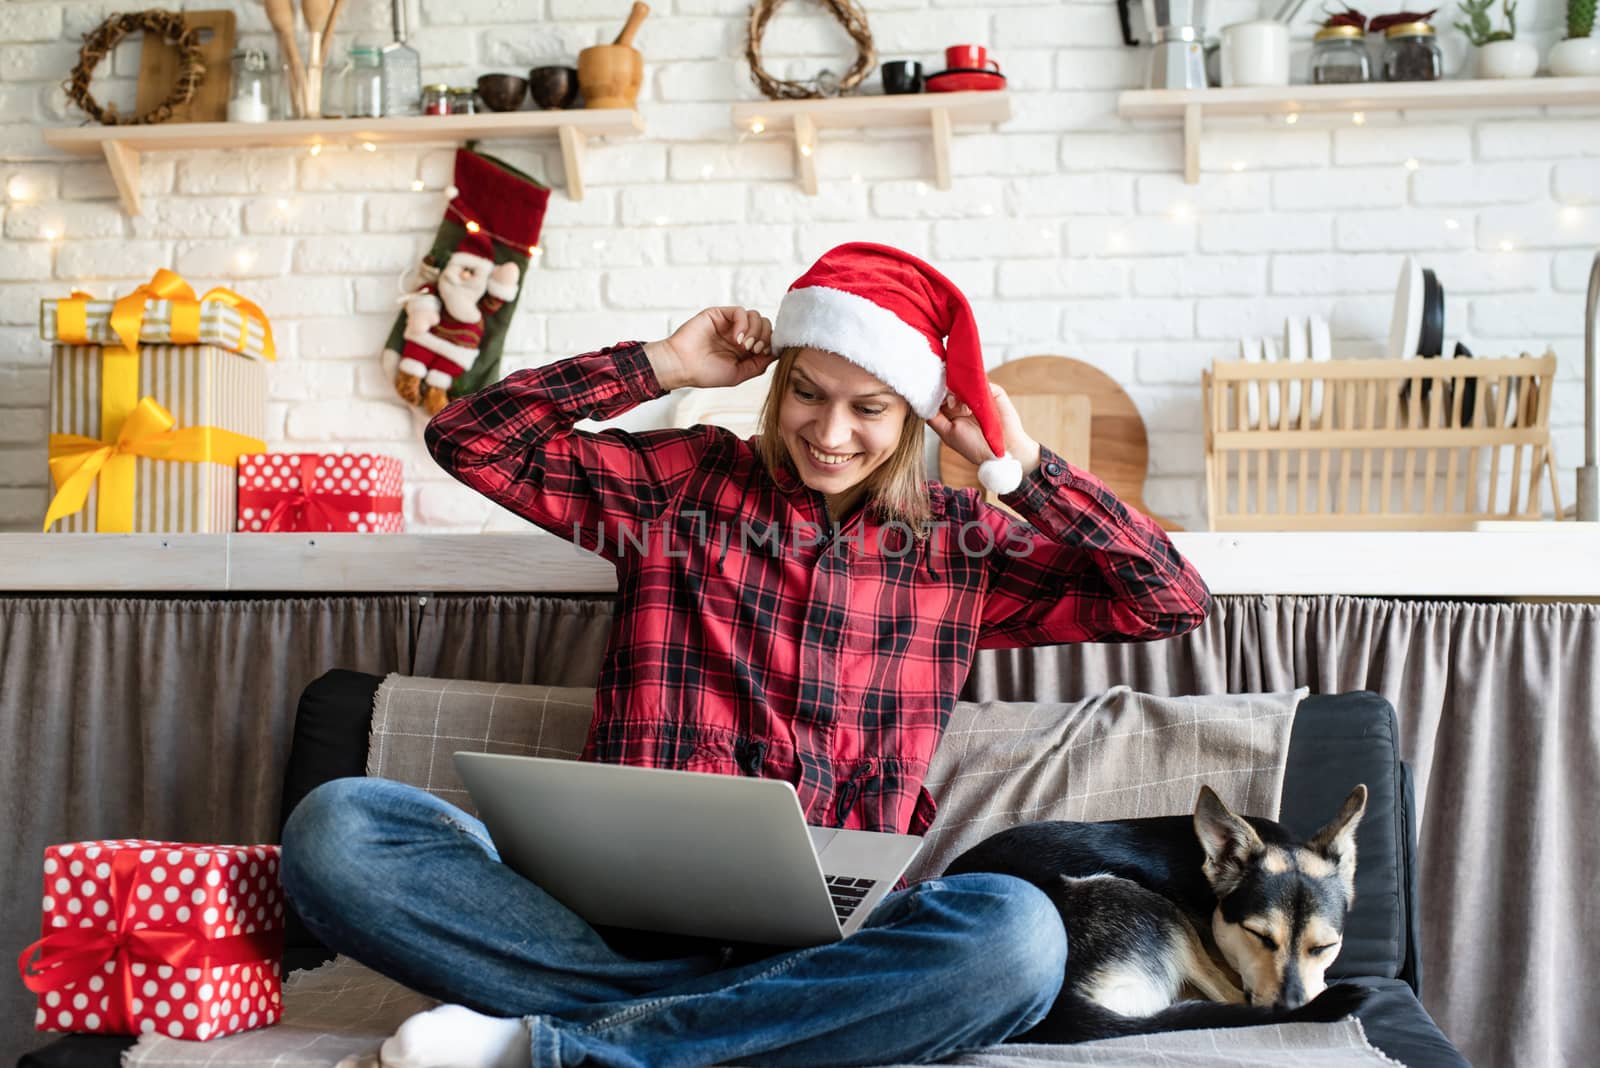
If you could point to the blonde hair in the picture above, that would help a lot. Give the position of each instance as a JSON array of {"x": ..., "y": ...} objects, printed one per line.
[{"x": 896, "y": 490}]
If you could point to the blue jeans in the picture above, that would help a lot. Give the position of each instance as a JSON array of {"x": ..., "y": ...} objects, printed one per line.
[{"x": 411, "y": 886}]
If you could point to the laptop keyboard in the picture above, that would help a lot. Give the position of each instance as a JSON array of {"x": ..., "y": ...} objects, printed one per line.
[{"x": 848, "y": 892}]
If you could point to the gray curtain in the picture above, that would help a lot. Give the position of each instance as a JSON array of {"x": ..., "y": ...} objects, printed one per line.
[
  {"x": 169, "y": 718},
  {"x": 1500, "y": 721}
]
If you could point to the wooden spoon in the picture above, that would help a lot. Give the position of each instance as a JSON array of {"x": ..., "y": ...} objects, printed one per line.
[
  {"x": 635, "y": 17},
  {"x": 316, "y": 16},
  {"x": 281, "y": 14},
  {"x": 333, "y": 17}
]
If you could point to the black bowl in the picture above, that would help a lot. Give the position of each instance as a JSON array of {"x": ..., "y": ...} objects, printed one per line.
[
  {"x": 553, "y": 87},
  {"x": 502, "y": 92}
]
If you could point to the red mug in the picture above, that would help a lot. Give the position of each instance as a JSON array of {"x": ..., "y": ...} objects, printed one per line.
[{"x": 968, "y": 57}]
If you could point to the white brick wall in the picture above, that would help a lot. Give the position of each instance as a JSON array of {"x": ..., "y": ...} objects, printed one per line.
[{"x": 1071, "y": 230}]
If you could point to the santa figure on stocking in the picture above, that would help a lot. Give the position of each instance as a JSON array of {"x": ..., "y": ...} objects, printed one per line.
[{"x": 444, "y": 320}]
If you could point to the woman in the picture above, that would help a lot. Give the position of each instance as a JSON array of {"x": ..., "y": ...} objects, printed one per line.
[{"x": 802, "y": 604}]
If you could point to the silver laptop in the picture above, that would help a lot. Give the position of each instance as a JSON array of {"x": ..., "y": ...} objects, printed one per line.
[{"x": 718, "y": 856}]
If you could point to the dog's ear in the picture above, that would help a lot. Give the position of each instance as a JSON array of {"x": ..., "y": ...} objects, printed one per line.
[
  {"x": 1229, "y": 842},
  {"x": 1337, "y": 841}
]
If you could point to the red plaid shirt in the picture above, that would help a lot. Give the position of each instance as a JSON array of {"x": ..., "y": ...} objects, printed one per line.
[{"x": 752, "y": 636}]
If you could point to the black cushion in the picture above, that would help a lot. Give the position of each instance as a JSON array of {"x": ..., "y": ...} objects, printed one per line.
[
  {"x": 1337, "y": 742},
  {"x": 332, "y": 724},
  {"x": 1397, "y": 1024},
  {"x": 331, "y": 727}
]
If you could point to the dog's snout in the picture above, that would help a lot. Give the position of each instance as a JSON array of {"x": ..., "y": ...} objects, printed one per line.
[{"x": 1293, "y": 994}]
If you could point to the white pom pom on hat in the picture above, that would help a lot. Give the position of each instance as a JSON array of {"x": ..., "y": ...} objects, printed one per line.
[
  {"x": 891, "y": 314},
  {"x": 1000, "y": 475}
]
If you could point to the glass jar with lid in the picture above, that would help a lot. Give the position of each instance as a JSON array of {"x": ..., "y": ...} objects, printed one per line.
[
  {"x": 250, "y": 98},
  {"x": 1411, "y": 53},
  {"x": 363, "y": 83},
  {"x": 1339, "y": 55},
  {"x": 463, "y": 100},
  {"x": 436, "y": 100}
]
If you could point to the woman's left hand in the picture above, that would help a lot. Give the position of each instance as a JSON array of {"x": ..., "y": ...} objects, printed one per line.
[{"x": 956, "y": 427}]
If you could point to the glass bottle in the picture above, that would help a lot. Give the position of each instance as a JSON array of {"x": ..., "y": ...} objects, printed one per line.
[
  {"x": 1339, "y": 55},
  {"x": 250, "y": 99},
  {"x": 402, "y": 69},
  {"x": 1411, "y": 53},
  {"x": 363, "y": 85}
]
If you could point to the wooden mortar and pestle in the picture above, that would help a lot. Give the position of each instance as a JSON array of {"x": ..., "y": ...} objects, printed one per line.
[{"x": 610, "y": 75}]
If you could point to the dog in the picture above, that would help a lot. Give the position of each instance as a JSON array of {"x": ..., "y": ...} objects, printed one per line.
[{"x": 1234, "y": 908}]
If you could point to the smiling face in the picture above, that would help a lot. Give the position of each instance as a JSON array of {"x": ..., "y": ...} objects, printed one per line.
[{"x": 839, "y": 425}]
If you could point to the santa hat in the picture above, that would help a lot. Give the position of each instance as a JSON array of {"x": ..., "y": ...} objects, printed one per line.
[
  {"x": 477, "y": 247},
  {"x": 893, "y": 315}
]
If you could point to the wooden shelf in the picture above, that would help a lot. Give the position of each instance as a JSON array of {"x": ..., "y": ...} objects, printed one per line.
[
  {"x": 938, "y": 111},
  {"x": 122, "y": 145},
  {"x": 1501, "y": 560},
  {"x": 1191, "y": 105}
]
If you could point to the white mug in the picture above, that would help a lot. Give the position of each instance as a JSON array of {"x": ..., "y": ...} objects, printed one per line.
[{"x": 1255, "y": 53}]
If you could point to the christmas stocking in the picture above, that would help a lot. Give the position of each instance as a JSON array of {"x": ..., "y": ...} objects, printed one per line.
[{"x": 446, "y": 342}]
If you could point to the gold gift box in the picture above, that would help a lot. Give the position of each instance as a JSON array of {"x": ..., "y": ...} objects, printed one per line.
[
  {"x": 214, "y": 322},
  {"x": 202, "y": 386}
]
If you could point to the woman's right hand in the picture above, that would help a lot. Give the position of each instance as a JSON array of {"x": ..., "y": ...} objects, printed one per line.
[{"x": 717, "y": 347}]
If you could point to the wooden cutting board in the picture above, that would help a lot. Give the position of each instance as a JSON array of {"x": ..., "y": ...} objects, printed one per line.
[
  {"x": 1079, "y": 412},
  {"x": 158, "y": 69}
]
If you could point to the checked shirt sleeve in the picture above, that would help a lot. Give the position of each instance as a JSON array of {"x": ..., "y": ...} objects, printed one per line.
[
  {"x": 1094, "y": 570},
  {"x": 514, "y": 443}
]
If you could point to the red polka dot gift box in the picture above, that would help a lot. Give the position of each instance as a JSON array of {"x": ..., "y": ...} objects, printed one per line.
[
  {"x": 298, "y": 491},
  {"x": 182, "y": 940}
]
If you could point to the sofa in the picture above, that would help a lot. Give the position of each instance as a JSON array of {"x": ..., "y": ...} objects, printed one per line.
[{"x": 1333, "y": 742}]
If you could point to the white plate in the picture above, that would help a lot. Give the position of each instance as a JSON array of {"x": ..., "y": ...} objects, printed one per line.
[
  {"x": 1250, "y": 352},
  {"x": 1296, "y": 349},
  {"x": 1405, "y": 326},
  {"x": 1269, "y": 354},
  {"x": 1321, "y": 345}
]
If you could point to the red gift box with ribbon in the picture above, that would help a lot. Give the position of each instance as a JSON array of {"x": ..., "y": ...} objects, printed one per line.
[
  {"x": 179, "y": 939},
  {"x": 294, "y": 491}
]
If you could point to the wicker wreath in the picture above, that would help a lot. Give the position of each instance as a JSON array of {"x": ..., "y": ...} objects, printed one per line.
[
  {"x": 98, "y": 44},
  {"x": 854, "y": 21}
]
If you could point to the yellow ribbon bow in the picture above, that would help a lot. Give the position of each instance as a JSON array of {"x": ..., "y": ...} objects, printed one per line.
[
  {"x": 127, "y": 314},
  {"x": 76, "y": 462}
]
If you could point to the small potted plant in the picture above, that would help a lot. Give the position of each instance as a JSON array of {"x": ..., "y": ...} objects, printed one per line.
[
  {"x": 1500, "y": 54},
  {"x": 1579, "y": 54}
]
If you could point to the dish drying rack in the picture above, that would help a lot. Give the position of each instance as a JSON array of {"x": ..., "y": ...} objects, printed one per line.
[{"x": 1381, "y": 444}]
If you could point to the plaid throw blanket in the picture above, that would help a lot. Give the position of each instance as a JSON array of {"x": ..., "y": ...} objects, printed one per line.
[{"x": 1115, "y": 755}]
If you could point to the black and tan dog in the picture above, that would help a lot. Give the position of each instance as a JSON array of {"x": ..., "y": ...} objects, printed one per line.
[{"x": 1233, "y": 908}]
